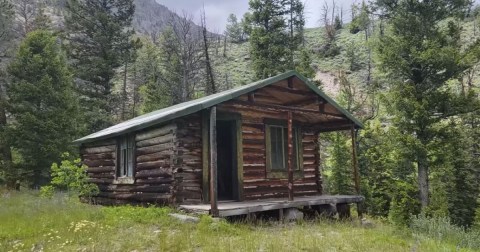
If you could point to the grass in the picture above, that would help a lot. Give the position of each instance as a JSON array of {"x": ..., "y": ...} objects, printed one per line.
[{"x": 31, "y": 223}]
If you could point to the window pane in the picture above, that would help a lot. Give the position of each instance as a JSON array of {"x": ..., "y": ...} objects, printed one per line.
[{"x": 277, "y": 148}]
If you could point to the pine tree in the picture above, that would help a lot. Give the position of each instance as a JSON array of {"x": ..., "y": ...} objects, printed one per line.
[
  {"x": 6, "y": 21},
  {"x": 234, "y": 29},
  {"x": 277, "y": 33},
  {"x": 99, "y": 34},
  {"x": 419, "y": 57},
  {"x": 42, "y": 103}
]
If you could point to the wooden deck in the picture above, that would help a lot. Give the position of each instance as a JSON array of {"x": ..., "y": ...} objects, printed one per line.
[{"x": 233, "y": 208}]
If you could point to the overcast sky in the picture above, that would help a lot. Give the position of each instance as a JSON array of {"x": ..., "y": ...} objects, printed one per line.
[{"x": 217, "y": 11}]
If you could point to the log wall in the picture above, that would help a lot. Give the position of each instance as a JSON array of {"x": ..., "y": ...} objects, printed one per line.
[
  {"x": 153, "y": 170},
  {"x": 256, "y": 185},
  {"x": 188, "y": 159}
]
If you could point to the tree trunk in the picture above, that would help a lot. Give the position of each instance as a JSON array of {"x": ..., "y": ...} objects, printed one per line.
[
  {"x": 124, "y": 92},
  {"x": 423, "y": 183},
  {"x": 5, "y": 151}
]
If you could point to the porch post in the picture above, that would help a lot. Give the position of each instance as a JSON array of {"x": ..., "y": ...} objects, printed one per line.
[
  {"x": 290, "y": 151},
  {"x": 355, "y": 167},
  {"x": 355, "y": 161},
  {"x": 213, "y": 162}
]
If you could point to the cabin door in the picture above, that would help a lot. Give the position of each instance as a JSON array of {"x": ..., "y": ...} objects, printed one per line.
[{"x": 227, "y": 181}]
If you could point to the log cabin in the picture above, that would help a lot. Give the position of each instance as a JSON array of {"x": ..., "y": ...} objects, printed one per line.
[{"x": 249, "y": 149}]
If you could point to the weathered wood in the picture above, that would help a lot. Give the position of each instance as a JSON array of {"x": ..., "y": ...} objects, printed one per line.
[
  {"x": 96, "y": 150},
  {"x": 164, "y": 130},
  {"x": 101, "y": 169},
  {"x": 355, "y": 161},
  {"x": 148, "y": 197},
  {"x": 154, "y": 156},
  {"x": 108, "y": 155},
  {"x": 213, "y": 161},
  {"x": 156, "y": 140},
  {"x": 156, "y": 180},
  {"x": 135, "y": 188},
  {"x": 160, "y": 164},
  {"x": 154, "y": 148},
  {"x": 160, "y": 172},
  {"x": 99, "y": 162},
  {"x": 290, "y": 152}
]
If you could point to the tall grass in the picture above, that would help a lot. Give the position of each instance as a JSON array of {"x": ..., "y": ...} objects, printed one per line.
[
  {"x": 440, "y": 228},
  {"x": 31, "y": 223}
]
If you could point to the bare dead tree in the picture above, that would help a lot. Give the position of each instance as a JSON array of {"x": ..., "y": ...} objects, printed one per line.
[
  {"x": 182, "y": 44},
  {"x": 210, "y": 87},
  {"x": 26, "y": 11}
]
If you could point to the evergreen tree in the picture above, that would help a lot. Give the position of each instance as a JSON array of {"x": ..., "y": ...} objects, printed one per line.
[
  {"x": 6, "y": 21},
  {"x": 277, "y": 32},
  {"x": 419, "y": 57},
  {"x": 234, "y": 29},
  {"x": 42, "y": 103},
  {"x": 99, "y": 34}
]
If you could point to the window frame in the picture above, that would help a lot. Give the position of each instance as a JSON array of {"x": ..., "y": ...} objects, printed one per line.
[
  {"x": 283, "y": 173},
  {"x": 129, "y": 141}
]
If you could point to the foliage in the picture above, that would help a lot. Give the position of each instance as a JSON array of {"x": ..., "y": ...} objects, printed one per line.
[
  {"x": 42, "y": 101},
  {"x": 404, "y": 203},
  {"x": 99, "y": 35},
  {"x": 234, "y": 29},
  {"x": 70, "y": 175},
  {"x": 419, "y": 57},
  {"x": 273, "y": 42},
  {"x": 339, "y": 163},
  {"x": 361, "y": 19},
  {"x": 441, "y": 228}
]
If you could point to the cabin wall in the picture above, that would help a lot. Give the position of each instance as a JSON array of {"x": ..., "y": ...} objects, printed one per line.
[
  {"x": 153, "y": 169},
  {"x": 188, "y": 163},
  {"x": 256, "y": 185}
]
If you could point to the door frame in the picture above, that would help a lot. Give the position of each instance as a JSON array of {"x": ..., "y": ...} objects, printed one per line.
[{"x": 236, "y": 118}]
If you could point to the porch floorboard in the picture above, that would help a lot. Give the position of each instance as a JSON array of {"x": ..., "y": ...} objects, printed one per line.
[{"x": 232, "y": 208}]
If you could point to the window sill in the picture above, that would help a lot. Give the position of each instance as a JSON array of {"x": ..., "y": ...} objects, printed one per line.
[
  {"x": 284, "y": 174},
  {"x": 124, "y": 180}
]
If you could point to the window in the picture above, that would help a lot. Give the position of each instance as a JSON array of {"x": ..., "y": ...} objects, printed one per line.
[
  {"x": 277, "y": 149},
  {"x": 125, "y": 156}
]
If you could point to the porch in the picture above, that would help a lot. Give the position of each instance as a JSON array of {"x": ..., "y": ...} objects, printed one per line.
[{"x": 233, "y": 208}]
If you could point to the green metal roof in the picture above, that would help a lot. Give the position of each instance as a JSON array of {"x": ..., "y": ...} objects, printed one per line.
[{"x": 186, "y": 108}]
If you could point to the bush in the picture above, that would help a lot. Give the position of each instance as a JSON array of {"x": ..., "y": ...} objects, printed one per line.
[
  {"x": 441, "y": 228},
  {"x": 404, "y": 203},
  {"x": 70, "y": 175}
]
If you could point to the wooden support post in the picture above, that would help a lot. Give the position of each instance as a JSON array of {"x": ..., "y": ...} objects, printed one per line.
[
  {"x": 290, "y": 152},
  {"x": 205, "y": 155},
  {"x": 355, "y": 167},
  {"x": 355, "y": 161},
  {"x": 318, "y": 176},
  {"x": 213, "y": 162}
]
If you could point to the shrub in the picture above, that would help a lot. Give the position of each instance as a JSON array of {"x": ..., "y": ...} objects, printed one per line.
[
  {"x": 70, "y": 175},
  {"x": 441, "y": 228},
  {"x": 404, "y": 203}
]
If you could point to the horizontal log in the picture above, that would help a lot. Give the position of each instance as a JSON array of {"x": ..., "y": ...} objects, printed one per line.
[
  {"x": 164, "y": 130},
  {"x": 153, "y": 181},
  {"x": 154, "y": 173},
  {"x": 161, "y": 164},
  {"x": 156, "y": 140},
  {"x": 135, "y": 188},
  {"x": 110, "y": 175},
  {"x": 150, "y": 197},
  {"x": 99, "y": 162},
  {"x": 156, "y": 156},
  {"x": 109, "y": 155},
  {"x": 101, "y": 169},
  {"x": 95, "y": 150},
  {"x": 100, "y": 181},
  {"x": 154, "y": 148}
]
